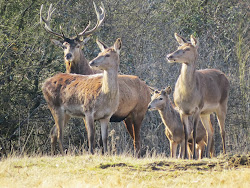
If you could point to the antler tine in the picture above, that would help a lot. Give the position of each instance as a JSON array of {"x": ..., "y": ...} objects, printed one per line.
[
  {"x": 100, "y": 19},
  {"x": 47, "y": 21}
]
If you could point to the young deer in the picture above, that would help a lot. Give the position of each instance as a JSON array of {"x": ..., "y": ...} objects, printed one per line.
[
  {"x": 94, "y": 97},
  {"x": 132, "y": 105},
  {"x": 199, "y": 92},
  {"x": 173, "y": 126}
]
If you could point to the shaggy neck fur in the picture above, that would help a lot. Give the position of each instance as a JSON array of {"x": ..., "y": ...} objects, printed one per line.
[{"x": 79, "y": 66}]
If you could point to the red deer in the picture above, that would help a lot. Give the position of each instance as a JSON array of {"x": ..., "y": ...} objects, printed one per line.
[
  {"x": 132, "y": 104},
  {"x": 199, "y": 92},
  {"x": 94, "y": 97},
  {"x": 173, "y": 126}
]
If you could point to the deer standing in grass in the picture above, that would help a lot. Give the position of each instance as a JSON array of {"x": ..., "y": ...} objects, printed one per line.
[
  {"x": 94, "y": 97},
  {"x": 199, "y": 92},
  {"x": 173, "y": 126},
  {"x": 132, "y": 104}
]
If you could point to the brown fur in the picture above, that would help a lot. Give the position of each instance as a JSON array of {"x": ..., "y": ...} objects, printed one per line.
[
  {"x": 132, "y": 103},
  {"x": 93, "y": 97},
  {"x": 174, "y": 129},
  {"x": 199, "y": 92}
]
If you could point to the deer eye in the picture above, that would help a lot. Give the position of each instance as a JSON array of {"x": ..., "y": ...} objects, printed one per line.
[
  {"x": 160, "y": 99},
  {"x": 107, "y": 55},
  {"x": 77, "y": 46}
]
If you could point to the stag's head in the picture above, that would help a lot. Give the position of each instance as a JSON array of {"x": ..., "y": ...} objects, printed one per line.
[
  {"x": 159, "y": 99},
  {"x": 108, "y": 58},
  {"x": 186, "y": 52},
  {"x": 72, "y": 45}
]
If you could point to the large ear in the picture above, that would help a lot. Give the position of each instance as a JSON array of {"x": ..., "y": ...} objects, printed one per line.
[
  {"x": 194, "y": 41},
  {"x": 101, "y": 45},
  {"x": 180, "y": 39},
  {"x": 152, "y": 90},
  {"x": 57, "y": 42},
  {"x": 168, "y": 90},
  {"x": 118, "y": 45},
  {"x": 84, "y": 41}
]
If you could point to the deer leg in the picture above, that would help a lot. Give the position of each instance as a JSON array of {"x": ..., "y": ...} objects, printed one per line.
[
  {"x": 184, "y": 120},
  {"x": 104, "y": 131},
  {"x": 196, "y": 122},
  {"x": 91, "y": 131},
  {"x": 174, "y": 149},
  {"x": 200, "y": 149},
  {"x": 205, "y": 119},
  {"x": 129, "y": 126},
  {"x": 53, "y": 139},
  {"x": 212, "y": 148},
  {"x": 221, "y": 116},
  {"x": 137, "y": 141},
  {"x": 190, "y": 151}
]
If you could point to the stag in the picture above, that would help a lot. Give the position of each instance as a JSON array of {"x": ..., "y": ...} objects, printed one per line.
[
  {"x": 92, "y": 97},
  {"x": 132, "y": 105},
  {"x": 161, "y": 102},
  {"x": 199, "y": 92}
]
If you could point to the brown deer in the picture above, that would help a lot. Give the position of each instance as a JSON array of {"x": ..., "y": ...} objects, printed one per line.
[
  {"x": 94, "y": 97},
  {"x": 173, "y": 126},
  {"x": 132, "y": 105},
  {"x": 199, "y": 92}
]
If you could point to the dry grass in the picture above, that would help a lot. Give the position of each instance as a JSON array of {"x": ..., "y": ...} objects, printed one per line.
[{"x": 123, "y": 171}]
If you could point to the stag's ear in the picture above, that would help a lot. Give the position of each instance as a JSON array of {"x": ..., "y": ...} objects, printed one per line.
[
  {"x": 168, "y": 90},
  {"x": 84, "y": 41},
  {"x": 118, "y": 45},
  {"x": 194, "y": 41},
  {"x": 152, "y": 90},
  {"x": 101, "y": 45},
  {"x": 57, "y": 42},
  {"x": 180, "y": 39}
]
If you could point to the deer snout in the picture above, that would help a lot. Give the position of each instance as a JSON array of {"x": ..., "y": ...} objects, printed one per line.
[
  {"x": 92, "y": 63},
  {"x": 170, "y": 58},
  {"x": 68, "y": 56}
]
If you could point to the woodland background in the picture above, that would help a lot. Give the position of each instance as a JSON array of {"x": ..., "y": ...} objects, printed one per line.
[{"x": 147, "y": 27}]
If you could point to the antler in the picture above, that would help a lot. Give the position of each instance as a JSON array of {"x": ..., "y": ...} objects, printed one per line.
[
  {"x": 47, "y": 22},
  {"x": 100, "y": 18}
]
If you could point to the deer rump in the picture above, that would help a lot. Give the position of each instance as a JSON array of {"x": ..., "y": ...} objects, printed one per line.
[{"x": 68, "y": 90}]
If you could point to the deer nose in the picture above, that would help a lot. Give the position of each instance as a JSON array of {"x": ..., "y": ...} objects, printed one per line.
[
  {"x": 68, "y": 56},
  {"x": 149, "y": 106}
]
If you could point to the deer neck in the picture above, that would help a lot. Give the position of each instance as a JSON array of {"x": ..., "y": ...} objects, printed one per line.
[
  {"x": 187, "y": 79},
  {"x": 170, "y": 117},
  {"x": 79, "y": 66},
  {"x": 110, "y": 83}
]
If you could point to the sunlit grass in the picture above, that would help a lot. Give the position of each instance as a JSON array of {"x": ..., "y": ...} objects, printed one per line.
[{"x": 120, "y": 171}]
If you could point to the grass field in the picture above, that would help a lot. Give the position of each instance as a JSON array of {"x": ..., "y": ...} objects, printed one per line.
[{"x": 124, "y": 171}]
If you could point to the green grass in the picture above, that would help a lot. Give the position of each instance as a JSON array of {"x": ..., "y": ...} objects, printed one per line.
[{"x": 123, "y": 171}]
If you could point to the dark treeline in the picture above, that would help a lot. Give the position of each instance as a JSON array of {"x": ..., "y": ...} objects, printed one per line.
[{"x": 147, "y": 30}]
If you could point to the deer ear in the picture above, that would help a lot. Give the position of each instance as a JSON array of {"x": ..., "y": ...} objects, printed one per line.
[
  {"x": 168, "y": 90},
  {"x": 180, "y": 39},
  {"x": 194, "y": 41},
  {"x": 57, "y": 42},
  {"x": 84, "y": 41},
  {"x": 101, "y": 45},
  {"x": 118, "y": 45},
  {"x": 152, "y": 90}
]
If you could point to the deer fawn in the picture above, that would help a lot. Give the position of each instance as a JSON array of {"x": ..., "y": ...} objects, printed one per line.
[
  {"x": 173, "y": 126},
  {"x": 199, "y": 92},
  {"x": 132, "y": 105},
  {"x": 94, "y": 97}
]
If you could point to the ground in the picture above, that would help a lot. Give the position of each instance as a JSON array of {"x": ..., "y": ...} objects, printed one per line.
[{"x": 124, "y": 171}]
